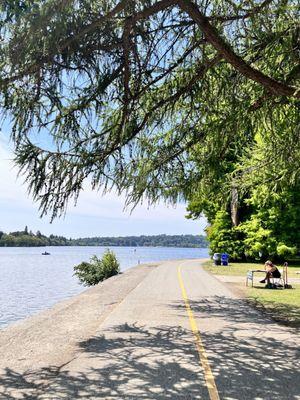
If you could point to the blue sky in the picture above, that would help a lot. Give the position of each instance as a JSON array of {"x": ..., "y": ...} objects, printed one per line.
[{"x": 94, "y": 214}]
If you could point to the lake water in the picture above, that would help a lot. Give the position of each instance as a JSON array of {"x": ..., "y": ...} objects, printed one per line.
[{"x": 31, "y": 282}]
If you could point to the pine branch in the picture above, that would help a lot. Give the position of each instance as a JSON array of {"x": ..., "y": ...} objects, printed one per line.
[{"x": 273, "y": 86}]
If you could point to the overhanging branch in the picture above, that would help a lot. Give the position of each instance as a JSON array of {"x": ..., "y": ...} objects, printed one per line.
[{"x": 272, "y": 85}]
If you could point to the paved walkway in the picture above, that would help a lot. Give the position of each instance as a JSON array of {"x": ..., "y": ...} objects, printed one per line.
[{"x": 156, "y": 344}]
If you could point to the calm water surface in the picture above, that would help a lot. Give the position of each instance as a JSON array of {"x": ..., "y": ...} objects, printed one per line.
[{"x": 31, "y": 282}]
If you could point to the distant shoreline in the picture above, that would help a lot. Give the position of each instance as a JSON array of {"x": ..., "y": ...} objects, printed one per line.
[
  {"x": 102, "y": 245},
  {"x": 27, "y": 238}
]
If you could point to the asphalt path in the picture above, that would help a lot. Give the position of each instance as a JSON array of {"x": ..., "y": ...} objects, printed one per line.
[{"x": 176, "y": 333}]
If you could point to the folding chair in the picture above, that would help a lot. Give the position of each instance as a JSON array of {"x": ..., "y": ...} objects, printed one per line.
[{"x": 282, "y": 281}]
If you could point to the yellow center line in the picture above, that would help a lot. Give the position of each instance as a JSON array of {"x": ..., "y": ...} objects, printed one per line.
[{"x": 209, "y": 378}]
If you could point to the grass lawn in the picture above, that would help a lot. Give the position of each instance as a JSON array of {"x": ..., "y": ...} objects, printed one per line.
[
  {"x": 232, "y": 269},
  {"x": 282, "y": 305},
  {"x": 240, "y": 269}
]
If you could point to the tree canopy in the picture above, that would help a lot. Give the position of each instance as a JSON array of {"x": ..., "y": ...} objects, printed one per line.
[{"x": 161, "y": 99}]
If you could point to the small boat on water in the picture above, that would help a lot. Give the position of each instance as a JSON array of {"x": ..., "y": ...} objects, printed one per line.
[{"x": 45, "y": 253}]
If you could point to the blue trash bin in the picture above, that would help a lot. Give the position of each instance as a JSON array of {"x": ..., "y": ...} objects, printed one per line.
[{"x": 224, "y": 259}]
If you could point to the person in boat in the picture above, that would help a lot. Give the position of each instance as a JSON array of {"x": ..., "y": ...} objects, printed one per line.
[{"x": 271, "y": 272}]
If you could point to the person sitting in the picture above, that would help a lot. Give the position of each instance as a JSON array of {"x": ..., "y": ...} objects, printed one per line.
[{"x": 271, "y": 272}]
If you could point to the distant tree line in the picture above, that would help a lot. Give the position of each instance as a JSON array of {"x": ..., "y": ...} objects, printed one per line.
[
  {"x": 27, "y": 238},
  {"x": 145, "y": 241}
]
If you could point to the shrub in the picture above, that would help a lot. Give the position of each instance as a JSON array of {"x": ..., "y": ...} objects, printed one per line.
[
  {"x": 97, "y": 270},
  {"x": 286, "y": 251},
  {"x": 225, "y": 238}
]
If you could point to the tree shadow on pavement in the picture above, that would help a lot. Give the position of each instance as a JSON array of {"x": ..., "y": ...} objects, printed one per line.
[
  {"x": 131, "y": 363},
  {"x": 137, "y": 362},
  {"x": 251, "y": 356}
]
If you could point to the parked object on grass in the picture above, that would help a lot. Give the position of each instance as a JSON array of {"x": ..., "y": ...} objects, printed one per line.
[
  {"x": 217, "y": 258},
  {"x": 250, "y": 275},
  {"x": 224, "y": 259},
  {"x": 285, "y": 275}
]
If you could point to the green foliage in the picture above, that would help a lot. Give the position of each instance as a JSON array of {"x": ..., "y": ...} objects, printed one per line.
[
  {"x": 137, "y": 96},
  {"x": 284, "y": 251},
  {"x": 97, "y": 269},
  {"x": 20, "y": 239},
  {"x": 268, "y": 227},
  {"x": 145, "y": 241},
  {"x": 110, "y": 264},
  {"x": 28, "y": 239},
  {"x": 272, "y": 228},
  {"x": 224, "y": 238},
  {"x": 258, "y": 240},
  {"x": 267, "y": 181}
]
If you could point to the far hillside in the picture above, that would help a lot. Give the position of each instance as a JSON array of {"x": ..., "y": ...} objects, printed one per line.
[
  {"x": 145, "y": 241},
  {"x": 27, "y": 238}
]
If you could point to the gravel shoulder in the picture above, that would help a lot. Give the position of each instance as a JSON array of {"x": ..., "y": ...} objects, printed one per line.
[{"x": 51, "y": 337}]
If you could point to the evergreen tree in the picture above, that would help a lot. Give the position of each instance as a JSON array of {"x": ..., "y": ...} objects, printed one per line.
[{"x": 138, "y": 94}]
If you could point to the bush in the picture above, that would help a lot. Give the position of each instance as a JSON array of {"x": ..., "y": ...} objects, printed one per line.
[
  {"x": 286, "y": 251},
  {"x": 225, "y": 238},
  {"x": 97, "y": 270}
]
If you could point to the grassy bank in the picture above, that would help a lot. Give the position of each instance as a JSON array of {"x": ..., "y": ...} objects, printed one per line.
[
  {"x": 240, "y": 269},
  {"x": 282, "y": 305},
  {"x": 236, "y": 269}
]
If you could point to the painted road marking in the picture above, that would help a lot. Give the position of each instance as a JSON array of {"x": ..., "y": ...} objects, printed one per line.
[{"x": 209, "y": 378}]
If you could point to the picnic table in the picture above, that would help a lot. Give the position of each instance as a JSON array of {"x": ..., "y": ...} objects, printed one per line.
[{"x": 250, "y": 275}]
